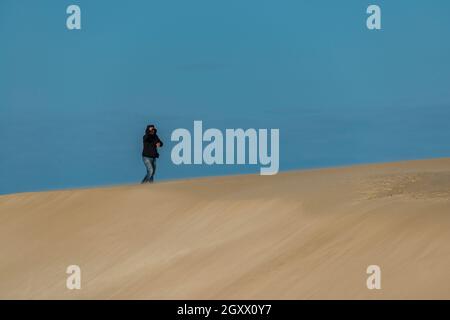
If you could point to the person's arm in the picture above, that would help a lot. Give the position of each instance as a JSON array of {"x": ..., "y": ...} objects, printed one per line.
[{"x": 159, "y": 143}]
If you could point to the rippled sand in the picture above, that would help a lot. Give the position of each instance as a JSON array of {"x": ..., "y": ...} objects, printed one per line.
[{"x": 296, "y": 235}]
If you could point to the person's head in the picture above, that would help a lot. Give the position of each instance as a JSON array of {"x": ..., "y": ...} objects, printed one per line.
[{"x": 151, "y": 129}]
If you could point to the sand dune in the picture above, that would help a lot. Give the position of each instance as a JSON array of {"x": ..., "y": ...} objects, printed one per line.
[{"x": 297, "y": 235}]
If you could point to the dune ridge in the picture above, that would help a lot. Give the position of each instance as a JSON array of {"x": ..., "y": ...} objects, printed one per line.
[{"x": 297, "y": 235}]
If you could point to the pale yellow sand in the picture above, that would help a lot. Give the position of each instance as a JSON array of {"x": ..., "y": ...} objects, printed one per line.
[{"x": 297, "y": 235}]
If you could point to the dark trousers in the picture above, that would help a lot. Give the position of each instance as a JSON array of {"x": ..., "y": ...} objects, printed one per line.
[{"x": 150, "y": 164}]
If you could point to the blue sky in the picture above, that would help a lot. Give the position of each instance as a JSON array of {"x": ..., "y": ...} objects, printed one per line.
[{"x": 73, "y": 104}]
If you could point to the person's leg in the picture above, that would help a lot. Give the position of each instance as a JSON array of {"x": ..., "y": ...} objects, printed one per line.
[
  {"x": 153, "y": 164},
  {"x": 144, "y": 159},
  {"x": 149, "y": 166}
]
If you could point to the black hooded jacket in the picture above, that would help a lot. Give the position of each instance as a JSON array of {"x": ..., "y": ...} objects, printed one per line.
[{"x": 149, "y": 141}]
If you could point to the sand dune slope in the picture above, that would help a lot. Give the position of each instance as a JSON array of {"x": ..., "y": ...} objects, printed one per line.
[{"x": 296, "y": 235}]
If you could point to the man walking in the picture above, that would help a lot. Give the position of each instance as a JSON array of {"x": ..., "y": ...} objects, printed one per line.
[{"x": 151, "y": 144}]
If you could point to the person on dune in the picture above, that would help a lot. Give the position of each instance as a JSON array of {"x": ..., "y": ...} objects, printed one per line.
[{"x": 151, "y": 143}]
